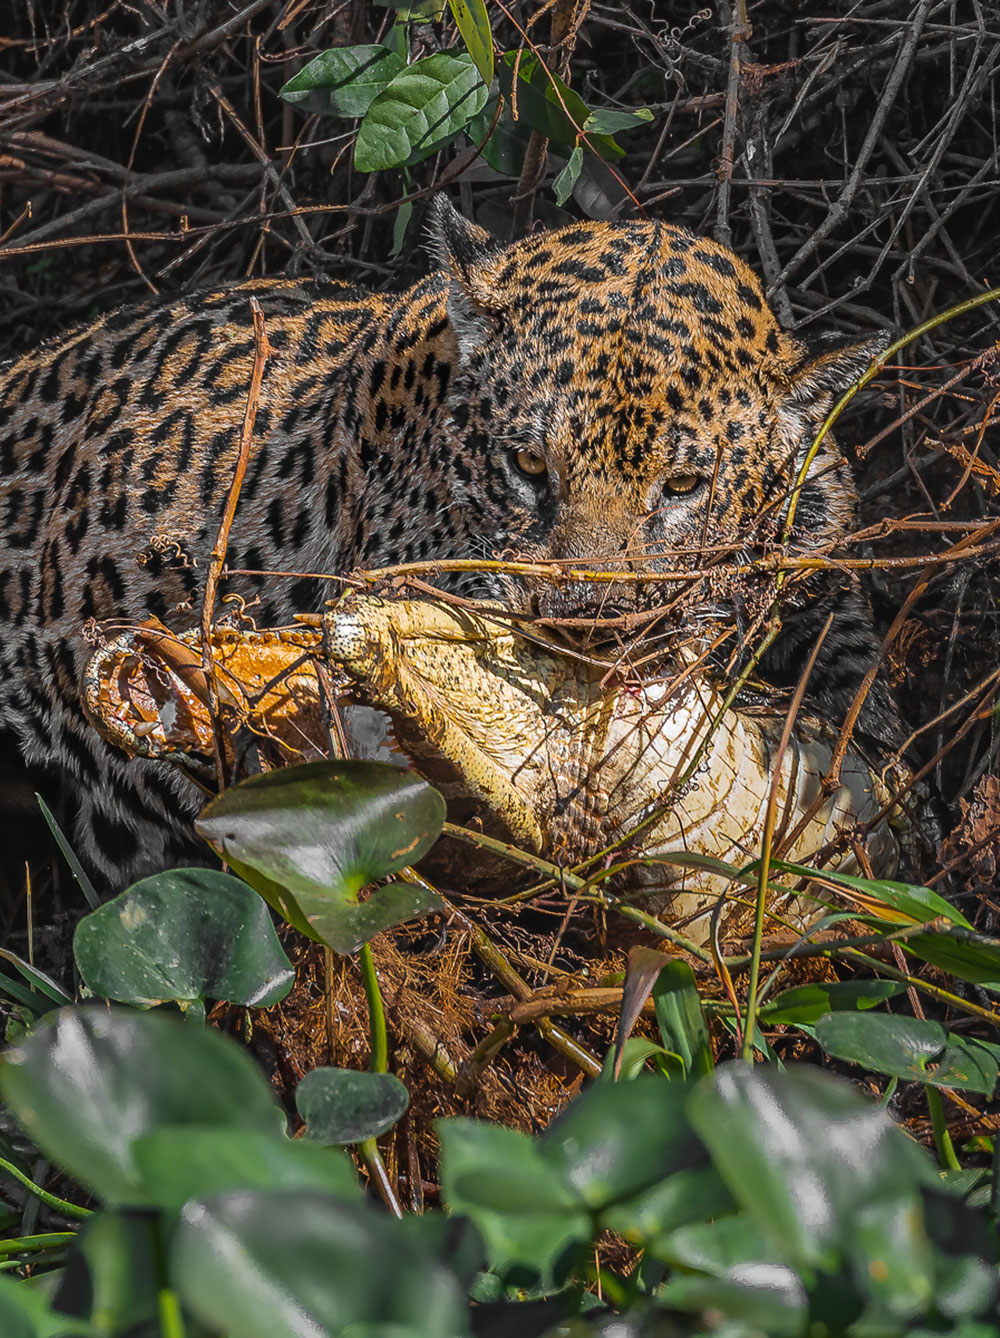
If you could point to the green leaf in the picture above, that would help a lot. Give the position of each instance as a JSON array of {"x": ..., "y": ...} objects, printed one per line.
[
  {"x": 309, "y": 838},
  {"x": 908, "y": 1047},
  {"x": 969, "y": 957},
  {"x": 617, "y": 1139},
  {"x": 86, "y": 1085},
  {"x": 528, "y": 1217},
  {"x": 547, "y": 104},
  {"x": 919, "y": 904},
  {"x": 25, "y": 1313},
  {"x": 187, "y": 1162},
  {"x": 606, "y": 121},
  {"x": 567, "y": 178},
  {"x": 302, "y": 1264},
  {"x": 343, "y": 1106},
  {"x": 121, "y": 1251},
  {"x": 422, "y": 109},
  {"x": 473, "y": 23},
  {"x": 508, "y": 140},
  {"x": 42, "y": 984},
  {"x": 893, "y": 1257},
  {"x": 183, "y": 936},
  {"x": 803, "y": 1154},
  {"x": 808, "y": 1003},
  {"x": 345, "y": 80},
  {"x": 399, "y": 226},
  {"x": 681, "y": 1018},
  {"x": 698, "y": 1194}
]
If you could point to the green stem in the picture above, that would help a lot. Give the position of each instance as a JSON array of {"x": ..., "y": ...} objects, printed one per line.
[
  {"x": 67, "y": 1209},
  {"x": 376, "y": 1012},
  {"x": 52, "y": 1240},
  {"x": 942, "y": 1138},
  {"x": 368, "y": 1147},
  {"x": 171, "y": 1318}
]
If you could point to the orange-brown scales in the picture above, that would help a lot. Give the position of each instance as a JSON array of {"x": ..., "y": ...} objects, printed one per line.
[{"x": 605, "y": 389}]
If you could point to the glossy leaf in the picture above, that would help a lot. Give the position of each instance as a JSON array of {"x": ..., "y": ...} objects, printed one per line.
[
  {"x": 608, "y": 121},
  {"x": 617, "y": 1139},
  {"x": 693, "y": 1195},
  {"x": 121, "y": 1250},
  {"x": 803, "y": 1154},
  {"x": 177, "y": 1164},
  {"x": 808, "y": 1003},
  {"x": 342, "y": 1106},
  {"x": 302, "y": 1264},
  {"x": 423, "y": 108},
  {"x": 88, "y": 1084},
  {"x": 908, "y": 1047},
  {"x": 892, "y": 1256},
  {"x": 25, "y": 1313},
  {"x": 473, "y": 23},
  {"x": 345, "y": 80},
  {"x": 529, "y": 1218},
  {"x": 181, "y": 936},
  {"x": 310, "y": 838}
]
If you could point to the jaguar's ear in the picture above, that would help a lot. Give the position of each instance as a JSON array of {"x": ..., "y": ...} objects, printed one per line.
[
  {"x": 469, "y": 256},
  {"x": 830, "y": 369}
]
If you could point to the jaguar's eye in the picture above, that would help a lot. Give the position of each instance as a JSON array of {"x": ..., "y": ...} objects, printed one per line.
[
  {"x": 681, "y": 483},
  {"x": 531, "y": 463}
]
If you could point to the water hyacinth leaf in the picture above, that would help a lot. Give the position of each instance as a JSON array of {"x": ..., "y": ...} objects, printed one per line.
[
  {"x": 177, "y": 1164},
  {"x": 617, "y": 1139},
  {"x": 907, "y": 1047},
  {"x": 803, "y": 1153},
  {"x": 342, "y": 1106},
  {"x": 607, "y": 121},
  {"x": 181, "y": 936},
  {"x": 420, "y": 110},
  {"x": 692, "y": 1195},
  {"x": 893, "y": 1257},
  {"x": 563, "y": 185},
  {"x": 808, "y": 1003},
  {"x": 763, "y": 1298},
  {"x": 310, "y": 838},
  {"x": 473, "y": 23},
  {"x": 345, "y": 80},
  {"x": 25, "y": 1313},
  {"x": 292, "y": 1264},
  {"x": 528, "y": 1217},
  {"x": 120, "y": 1249},
  {"x": 88, "y": 1084}
]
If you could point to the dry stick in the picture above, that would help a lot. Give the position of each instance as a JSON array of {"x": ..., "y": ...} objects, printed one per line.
[
  {"x": 487, "y": 950},
  {"x": 838, "y": 210},
  {"x": 739, "y": 31},
  {"x": 562, "y": 34},
  {"x": 262, "y": 351}
]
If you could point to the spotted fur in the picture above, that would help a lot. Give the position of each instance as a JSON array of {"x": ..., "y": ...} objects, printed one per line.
[{"x": 622, "y": 356}]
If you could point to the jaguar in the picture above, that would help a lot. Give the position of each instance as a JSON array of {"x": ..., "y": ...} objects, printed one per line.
[{"x": 615, "y": 393}]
